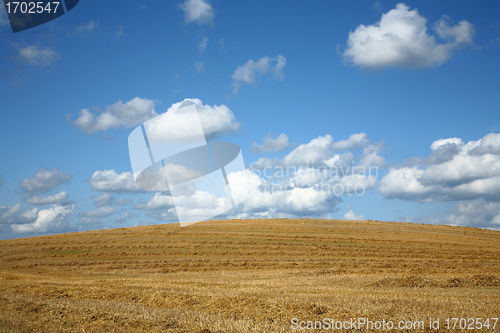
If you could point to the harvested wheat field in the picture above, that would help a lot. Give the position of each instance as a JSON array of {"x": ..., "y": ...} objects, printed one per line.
[{"x": 253, "y": 276}]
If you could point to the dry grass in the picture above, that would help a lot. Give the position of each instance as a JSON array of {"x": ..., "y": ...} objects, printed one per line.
[{"x": 247, "y": 276}]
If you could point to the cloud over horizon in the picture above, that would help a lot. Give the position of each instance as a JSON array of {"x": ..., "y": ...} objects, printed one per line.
[{"x": 470, "y": 171}]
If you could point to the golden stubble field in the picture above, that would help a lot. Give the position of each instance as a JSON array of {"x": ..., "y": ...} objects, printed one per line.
[{"x": 249, "y": 276}]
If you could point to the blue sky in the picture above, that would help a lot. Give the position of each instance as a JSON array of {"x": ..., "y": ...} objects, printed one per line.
[{"x": 410, "y": 89}]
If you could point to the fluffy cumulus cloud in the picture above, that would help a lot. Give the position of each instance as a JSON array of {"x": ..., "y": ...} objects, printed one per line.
[
  {"x": 319, "y": 151},
  {"x": 355, "y": 141},
  {"x": 317, "y": 161},
  {"x": 456, "y": 171},
  {"x": 284, "y": 200},
  {"x": 129, "y": 114},
  {"x": 371, "y": 155},
  {"x": 350, "y": 215},
  {"x": 47, "y": 220},
  {"x": 269, "y": 144},
  {"x": 14, "y": 214},
  {"x": 315, "y": 152},
  {"x": 157, "y": 202},
  {"x": 29, "y": 215},
  {"x": 475, "y": 213},
  {"x": 400, "y": 39},
  {"x": 110, "y": 181},
  {"x": 9, "y": 213},
  {"x": 45, "y": 180},
  {"x": 36, "y": 55},
  {"x": 263, "y": 201},
  {"x": 264, "y": 163},
  {"x": 49, "y": 200},
  {"x": 252, "y": 70},
  {"x": 198, "y": 11},
  {"x": 214, "y": 120},
  {"x": 309, "y": 181}
]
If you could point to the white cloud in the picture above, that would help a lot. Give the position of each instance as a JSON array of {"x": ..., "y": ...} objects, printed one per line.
[
  {"x": 342, "y": 161},
  {"x": 119, "y": 33},
  {"x": 355, "y": 141},
  {"x": 264, "y": 163},
  {"x": 307, "y": 177},
  {"x": 203, "y": 44},
  {"x": 30, "y": 215},
  {"x": 315, "y": 152},
  {"x": 199, "y": 67},
  {"x": 269, "y": 144},
  {"x": 86, "y": 28},
  {"x": 14, "y": 214},
  {"x": 45, "y": 180},
  {"x": 110, "y": 181},
  {"x": 400, "y": 39},
  {"x": 318, "y": 154},
  {"x": 261, "y": 201},
  {"x": 198, "y": 11},
  {"x": 49, "y": 200},
  {"x": 443, "y": 142},
  {"x": 285, "y": 188},
  {"x": 99, "y": 212},
  {"x": 52, "y": 219},
  {"x": 371, "y": 155},
  {"x": 471, "y": 171},
  {"x": 132, "y": 113},
  {"x": 36, "y": 55},
  {"x": 249, "y": 72},
  {"x": 214, "y": 120},
  {"x": 156, "y": 202},
  {"x": 489, "y": 144},
  {"x": 201, "y": 204},
  {"x": 105, "y": 199},
  {"x": 125, "y": 217},
  {"x": 350, "y": 215},
  {"x": 8, "y": 213},
  {"x": 265, "y": 201},
  {"x": 475, "y": 213}
]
